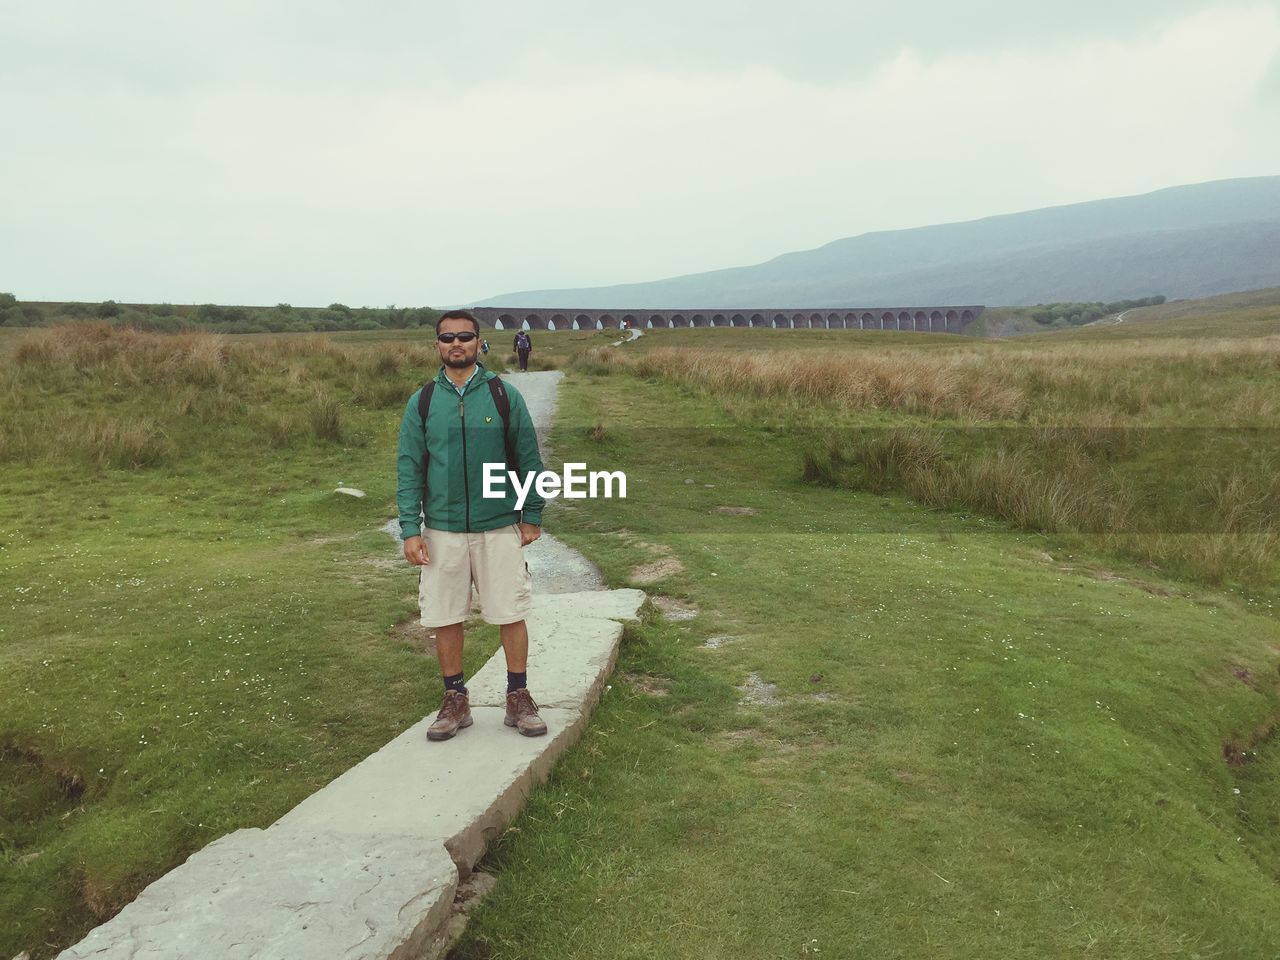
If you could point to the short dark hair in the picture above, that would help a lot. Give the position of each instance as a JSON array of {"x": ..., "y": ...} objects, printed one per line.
[{"x": 458, "y": 315}]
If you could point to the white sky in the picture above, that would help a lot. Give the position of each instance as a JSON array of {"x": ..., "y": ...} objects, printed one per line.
[{"x": 441, "y": 153}]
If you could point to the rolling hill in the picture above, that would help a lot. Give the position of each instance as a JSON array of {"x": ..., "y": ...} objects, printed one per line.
[{"x": 1183, "y": 242}]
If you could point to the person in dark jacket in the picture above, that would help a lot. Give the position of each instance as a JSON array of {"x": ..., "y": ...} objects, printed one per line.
[
  {"x": 458, "y": 536},
  {"x": 523, "y": 347}
]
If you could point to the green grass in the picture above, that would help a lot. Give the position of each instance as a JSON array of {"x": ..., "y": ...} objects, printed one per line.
[
  {"x": 986, "y": 745},
  {"x": 195, "y": 645}
]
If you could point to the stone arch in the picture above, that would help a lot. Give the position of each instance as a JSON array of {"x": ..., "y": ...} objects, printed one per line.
[
  {"x": 535, "y": 322},
  {"x": 920, "y": 321},
  {"x": 869, "y": 322},
  {"x": 851, "y": 321},
  {"x": 738, "y": 320},
  {"x": 966, "y": 316},
  {"x": 558, "y": 321},
  {"x": 607, "y": 322},
  {"x": 658, "y": 320},
  {"x": 815, "y": 320},
  {"x": 583, "y": 322},
  {"x": 888, "y": 321},
  {"x": 798, "y": 320},
  {"x": 628, "y": 318},
  {"x": 904, "y": 321},
  {"x": 506, "y": 322},
  {"x": 719, "y": 320},
  {"x": 758, "y": 320},
  {"x": 834, "y": 322},
  {"x": 779, "y": 321},
  {"x": 679, "y": 320},
  {"x": 936, "y": 322},
  {"x": 698, "y": 320}
]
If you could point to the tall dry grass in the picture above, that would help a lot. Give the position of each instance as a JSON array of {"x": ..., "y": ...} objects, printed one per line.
[
  {"x": 127, "y": 354},
  {"x": 917, "y": 382},
  {"x": 1084, "y": 438},
  {"x": 1216, "y": 520},
  {"x": 985, "y": 381},
  {"x": 116, "y": 396}
]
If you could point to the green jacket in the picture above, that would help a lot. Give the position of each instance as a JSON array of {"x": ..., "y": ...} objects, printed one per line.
[{"x": 463, "y": 433}]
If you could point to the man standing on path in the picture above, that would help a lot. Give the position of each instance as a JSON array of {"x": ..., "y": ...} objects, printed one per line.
[
  {"x": 523, "y": 347},
  {"x": 464, "y": 418}
]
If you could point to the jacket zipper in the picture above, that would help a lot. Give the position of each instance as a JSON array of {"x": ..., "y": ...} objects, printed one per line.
[{"x": 466, "y": 480}]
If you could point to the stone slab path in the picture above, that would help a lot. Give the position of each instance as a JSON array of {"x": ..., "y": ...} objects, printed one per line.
[{"x": 367, "y": 867}]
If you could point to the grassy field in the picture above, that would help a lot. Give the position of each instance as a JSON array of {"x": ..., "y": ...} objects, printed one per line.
[
  {"x": 959, "y": 738},
  {"x": 888, "y": 731},
  {"x": 196, "y": 632},
  {"x": 1169, "y": 446},
  {"x": 1255, "y": 313}
]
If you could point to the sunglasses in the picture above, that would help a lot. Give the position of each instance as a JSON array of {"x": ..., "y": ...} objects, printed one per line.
[{"x": 465, "y": 337}]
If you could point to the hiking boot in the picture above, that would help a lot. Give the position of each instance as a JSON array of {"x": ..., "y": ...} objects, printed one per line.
[
  {"x": 455, "y": 713},
  {"x": 522, "y": 713}
]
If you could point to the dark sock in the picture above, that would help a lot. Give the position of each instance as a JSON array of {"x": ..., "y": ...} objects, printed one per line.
[
  {"x": 515, "y": 681},
  {"x": 455, "y": 683}
]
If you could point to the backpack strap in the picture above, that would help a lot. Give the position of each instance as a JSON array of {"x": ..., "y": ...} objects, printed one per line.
[
  {"x": 424, "y": 405},
  {"x": 424, "y": 402},
  {"x": 503, "y": 403}
]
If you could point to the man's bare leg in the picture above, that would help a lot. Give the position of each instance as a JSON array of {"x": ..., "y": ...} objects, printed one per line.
[
  {"x": 449, "y": 649},
  {"x": 515, "y": 643}
]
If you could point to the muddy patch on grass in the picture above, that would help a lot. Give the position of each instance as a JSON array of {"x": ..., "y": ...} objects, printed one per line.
[
  {"x": 718, "y": 641},
  {"x": 730, "y": 511},
  {"x": 35, "y": 788},
  {"x": 757, "y": 692},
  {"x": 656, "y": 570},
  {"x": 674, "y": 609},
  {"x": 1110, "y": 576},
  {"x": 1243, "y": 674},
  {"x": 325, "y": 541},
  {"x": 422, "y": 639},
  {"x": 650, "y": 686}
]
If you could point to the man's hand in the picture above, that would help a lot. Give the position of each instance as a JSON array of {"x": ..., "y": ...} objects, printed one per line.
[
  {"x": 529, "y": 532},
  {"x": 415, "y": 551}
]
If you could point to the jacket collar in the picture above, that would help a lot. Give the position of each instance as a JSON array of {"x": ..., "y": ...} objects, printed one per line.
[{"x": 482, "y": 374}]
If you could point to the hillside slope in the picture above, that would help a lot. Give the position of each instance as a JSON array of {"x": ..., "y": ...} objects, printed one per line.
[{"x": 1188, "y": 241}]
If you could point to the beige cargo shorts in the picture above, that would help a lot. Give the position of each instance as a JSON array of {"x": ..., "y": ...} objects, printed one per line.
[{"x": 493, "y": 560}]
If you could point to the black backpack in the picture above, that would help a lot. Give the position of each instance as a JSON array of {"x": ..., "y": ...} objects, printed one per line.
[{"x": 500, "y": 400}]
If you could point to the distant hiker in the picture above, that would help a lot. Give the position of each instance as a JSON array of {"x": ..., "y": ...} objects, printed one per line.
[
  {"x": 484, "y": 346},
  {"x": 457, "y": 535},
  {"x": 523, "y": 347}
]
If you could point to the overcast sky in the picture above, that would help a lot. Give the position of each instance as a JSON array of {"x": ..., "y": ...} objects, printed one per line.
[{"x": 438, "y": 153}]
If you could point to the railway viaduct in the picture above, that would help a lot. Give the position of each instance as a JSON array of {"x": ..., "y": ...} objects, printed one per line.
[{"x": 949, "y": 319}]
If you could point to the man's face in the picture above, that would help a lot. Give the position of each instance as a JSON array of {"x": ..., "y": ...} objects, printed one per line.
[{"x": 458, "y": 355}]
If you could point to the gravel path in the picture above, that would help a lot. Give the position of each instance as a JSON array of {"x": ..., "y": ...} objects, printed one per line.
[{"x": 556, "y": 567}]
